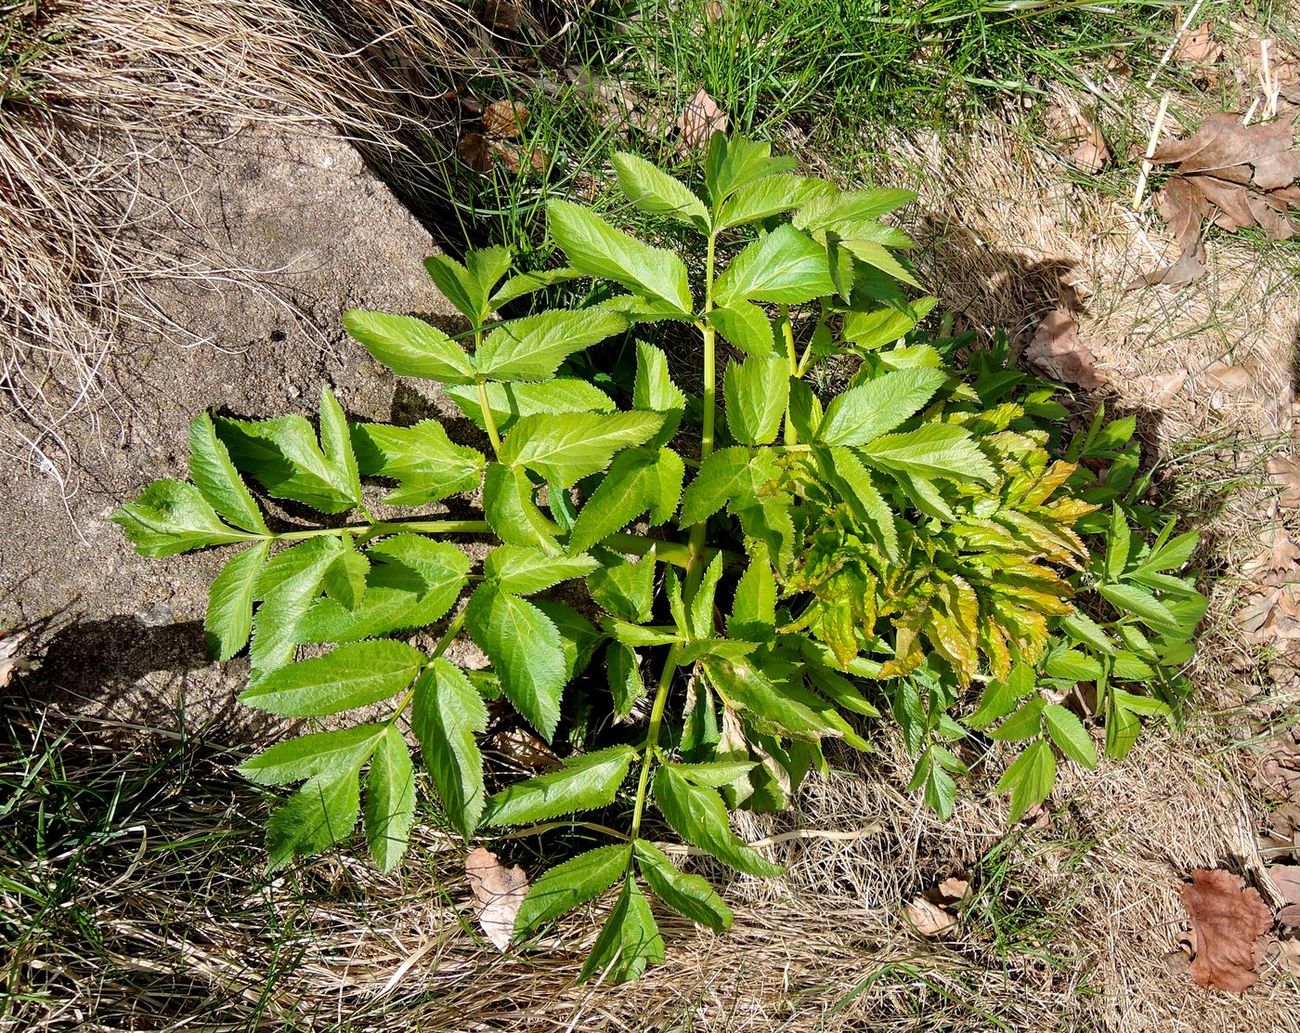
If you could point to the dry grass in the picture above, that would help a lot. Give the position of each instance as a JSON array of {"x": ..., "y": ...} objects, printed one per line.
[{"x": 94, "y": 92}]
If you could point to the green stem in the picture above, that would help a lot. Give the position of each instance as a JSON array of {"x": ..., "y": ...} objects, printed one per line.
[
  {"x": 489, "y": 421},
  {"x": 453, "y": 629},
  {"x": 652, "y": 736},
  {"x": 392, "y": 527},
  {"x": 696, "y": 542},
  {"x": 791, "y": 434}
]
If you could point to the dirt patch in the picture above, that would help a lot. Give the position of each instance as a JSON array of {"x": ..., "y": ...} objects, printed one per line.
[{"x": 263, "y": 237}]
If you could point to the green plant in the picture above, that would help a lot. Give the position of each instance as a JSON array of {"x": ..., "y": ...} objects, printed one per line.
[{"x": 884, "y": 548}]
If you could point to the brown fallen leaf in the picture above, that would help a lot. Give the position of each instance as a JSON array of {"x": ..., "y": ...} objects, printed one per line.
[
  {"x": 1227, "y": 918},
  {"x": 929, "y": 919},
  {"x": 1198, "y": 47},
  {"x": 1057, "y": 351},
  {"x": 1075, "y": 131},
  {"x": 1278, "y": 563},
  {"x": 475, "y": 151},
  {"x": 498, "y": 892},
  {"x": 504, "y": 119},
  {"x": 700, "y": 119},
  {"x": 1284, "y": 471},
  {"x": 1286, "y": 880},
  {"x": 952, "y": 890}
]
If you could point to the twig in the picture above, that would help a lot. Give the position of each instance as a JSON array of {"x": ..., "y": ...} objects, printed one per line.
[
  {"x": 1173, "y": 44},
  {"x": 1159, "y": 124}
]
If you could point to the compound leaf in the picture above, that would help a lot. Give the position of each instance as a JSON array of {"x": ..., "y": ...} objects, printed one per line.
[
  {"x": 583, "y": 784},
  {"x": 567, "y": 885},
  {"x": 446, "y": 713},
  {"x": 564, "y": 449},
  {"x": 699, "y": 816},
  {"x": 217, "y": 479},
  {"x": 410, "y": 346},
  {"x": 689, "y": 895},
  {"x": 229, "y": 617},
  {"x": 353, "y": 675},
  {"x": 533, "y": 347},
  {"x": 390, "y": 799},
  {"x": 783, "y": 266}
]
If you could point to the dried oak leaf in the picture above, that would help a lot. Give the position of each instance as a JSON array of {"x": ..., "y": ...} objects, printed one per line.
[
  {"x": 1227, "y": 918},
  {"x": 1278, "y": 563},
  {"x": 475, "y": 151},
  {"x": 1057, "y": 351},
  {"x": 498, "y": 892},
  {"x": 1198, "y": 46},
  {"x": 1072, "y": 129},
  {"x": 929, "y": 919},
  {"x": 700, "y": 119},
  {"x": 504, "y": 119},
  {"x": 953, "y": 890},
  {"x": 1286, "y": 880},
  {"x": 1284, "y": 471}
]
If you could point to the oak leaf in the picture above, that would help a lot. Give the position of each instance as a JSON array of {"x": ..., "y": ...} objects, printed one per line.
[
  {"x": 498, "y": 892},
  {"x": 1227, "y": 918},
  {"x": 1074, "y": 130},
  {"x": 1198, "y": 47},
  {"x": 1284, "y": 471},
  {"x": 929, "y": 919},
  {"x": 504, "y": 119},
  {"x": 700, "y": 119},
  {"x": 1057, "y": 351}
]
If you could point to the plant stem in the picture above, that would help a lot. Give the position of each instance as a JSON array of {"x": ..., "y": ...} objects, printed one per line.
[
  {"x": 696, "y": 542},
  {"x": 489, "y": 421},
  {"x": 392, "y": 526},
  {"x": 791, "y": 434},
  {"x": 453, "y": 629},
  {"x": 652, "y": 735}
]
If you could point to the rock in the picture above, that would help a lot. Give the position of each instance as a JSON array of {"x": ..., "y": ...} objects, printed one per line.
[{"x": 286, "y": 230}]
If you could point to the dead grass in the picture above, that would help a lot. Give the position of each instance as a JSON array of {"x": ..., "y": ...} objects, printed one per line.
[{"x": 94, "y": 92}]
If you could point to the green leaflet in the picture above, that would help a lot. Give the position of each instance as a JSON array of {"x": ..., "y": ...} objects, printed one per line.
[
  {"x": 657, "y": 192},
  {"x": 732, "y": 476},
  {"x": 787, "y": 710},
  {"x": 564, "y": 449},
  {"x": 862, "y": 414},
  {"x": 765, "y": 197},
  {"x": 594, "y": 247},
  {"x": 314, "y": 754},
  {"x": 934, "y": 450},
  {"x": 533, "y": 347},
  {"x": 783, "y": 266},
  {"x": 170, "y": 517},
  {"x": 1071, "y": 738},
  {"x": 410, "y": 346},
  {"x": 753, "y": 611},
  {"x": 628, "y": 942},
  {"x": 446, "y": 713},
  {"x": 287, "y": 587},
  {"x": 637, "y": 480},
  {"x": 468, "y": 286},
  {"x": 524, "y": 571},
  {"x": 746, "y": 326},
  {"x": 523, "y": 284},
  {"x": 625, "y": 682},
  {"x": 732, "y": 162},
  {"x": 320, "y": 814},
  {"x": 843, "y": 469},
  {"x": 511, "y": 512},
  {"x": 390, "y": 799},
  {"x": 526, "y": 653},
  {"x": 688, "y": 895},
  {"x": 699, "y": 816},
  {"x": 229, "y": 617},
  {"x": 626, "y": 589},
  {"x": 352, "y": 675},
  {"x": 1029, "y": 779},
  {"x": 583, "y": 784},
  {"x": 567, "y": 885},
  {"x": 422, "y": 459},
  {"x": 756, "y": 393},
  {"x": 284, "y": 455},
  {"x": 825, "y": 211},
  {"x": 508, "y": 402},
  {"x": 217, "y": 480},
  {"x": 345, "y": 579}
]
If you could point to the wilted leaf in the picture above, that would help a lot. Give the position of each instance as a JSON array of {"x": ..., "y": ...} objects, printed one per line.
[
  {"x": 504, "y": 119},
  {"x": 1080, "y": 137},
  {"x": 498, "y": 892},
  {"x": 952, "y": 890},
  {"x": 1286, "y": 880},
  {"x": 700, "y": 119},
  {"x": 929, "y": 919},
  {"x": 1284, "y": 471},
  {"x": 1198, "y": 47},
  {"x": 1227, "y": 918},
  {"x": 1057, "y": 351},
  {"x": 475, "y": 151}
]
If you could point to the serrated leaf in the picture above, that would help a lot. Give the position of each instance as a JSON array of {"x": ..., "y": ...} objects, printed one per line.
[
  {"x": 564, "y": 449},
  {"x": 628, "y": 942},
  {"x": 726, "y": 475},
  {"x": 410, "y": 346},
  {"x": 353, "y": 675},
  {"x": 336, "y": 446},
  {"x": 935, "y": 450},
  {"x": 320, "y": 814},
  {"x": 881, "y": 326},
  {"x": 427, "y": 465},
  {"x": 413, "y": 581},
  {"x": 746, "y": 326},
  {"x": 1072, "y": 665},
  {"x": 1024, "y": 724},
  {"x": 843, "y": 469},
  {"x": 287, "y": 587},
  {"x": 524, "y": 571},
  {"x": 229, "y": 617},
  {"x": 526, "y": 653},
  {"x": 689, "y": 895},
  {"x": 699, "y": 816},
  {"x": 390, "y": 800},
  {"x": 783, "y": 708},
  {"x": 636, "y": 635},
  {"x": 850, "y": 205},
  {"x": 627, "y": 490},
  {"x": 217, "y": 479},
  {"x": 871, "y": 252},
  {"x": 658, "y": 193},
  {"x": 574, "y": 882},
  {"x": 1082, "y": 628},
  {"x": 1001, "y": 695},
  {"x": 1070, "y": 736},
  {"x": 446, "y": 713},
  {"x": 756, "y": 393},
  {"x": 511, "y": 512},
  {"x": 1173, "y": 555},
  {"x": 526, "y": 283},
  {"x": 782, "y": 266},
  {"x": 508, "y": 402},
  {"x": 733, "y": 161},
  {"x": 285, "y": 457},
  {"x": 862, "y": 414},
  {"x": 715, "y": 774},
  {"x": 583, "y": 784},
  {"x": 753, "y": 611},
  {"x": 1145, "y": 606},
  {"x": 314, "y": 754},
  {"x": 597, "y": 249},
  {"x": 345, "y": 579},
  {"x": 626, "y": 685},
  {"x": 764, "y": 198},
  {"x": 172, "y": 516},
  {"x": 653, "y": 388},
  {"x": 625, "y": 589},
  {"x": 533, "y": 347},
  {"x": 1029, "y": 779},
  {"x": 1117, "y": 544},
  {"x": 457, "y": 286},
  {"x": 578, "y": 636}
]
